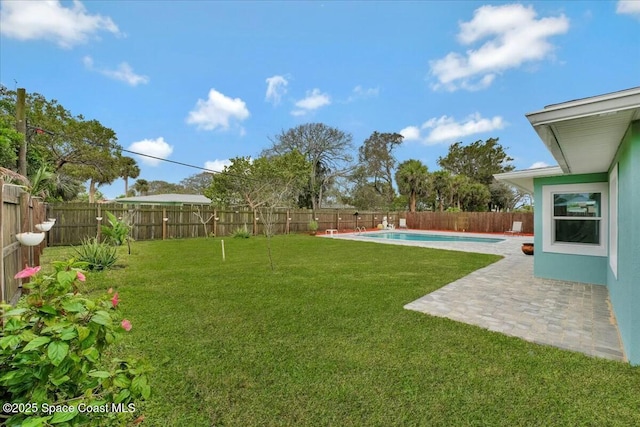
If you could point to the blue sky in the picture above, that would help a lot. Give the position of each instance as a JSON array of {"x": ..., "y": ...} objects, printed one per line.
[{"x": 200, "y": 82}]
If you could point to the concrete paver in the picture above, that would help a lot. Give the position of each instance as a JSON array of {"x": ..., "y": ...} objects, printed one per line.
[{"x": 505, "y": 297}]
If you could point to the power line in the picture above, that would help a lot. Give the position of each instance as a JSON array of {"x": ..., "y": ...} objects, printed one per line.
[
  {"x": 39, "y": 130},
  {"x": 172, "y": 161}
]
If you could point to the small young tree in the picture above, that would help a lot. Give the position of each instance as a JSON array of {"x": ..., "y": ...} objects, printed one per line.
[
  {"x": 263, "y": 185},
  {"x": 199, "y": 212}
]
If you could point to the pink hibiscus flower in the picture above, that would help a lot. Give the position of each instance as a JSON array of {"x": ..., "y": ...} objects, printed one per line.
[
  {"x": 27, "y": 272},
  {"x": 115, "y": 300},
  {"x": 81, "y": 276},
  {"x": 126, "y": 325}
]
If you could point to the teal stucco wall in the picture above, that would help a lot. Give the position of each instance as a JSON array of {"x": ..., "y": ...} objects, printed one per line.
[
  {"x": 577, "y": 268},
  {"x": 624, "y": 290}
]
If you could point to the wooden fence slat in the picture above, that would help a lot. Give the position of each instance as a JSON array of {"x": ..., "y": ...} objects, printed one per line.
[{"x": 19, "y": 213}]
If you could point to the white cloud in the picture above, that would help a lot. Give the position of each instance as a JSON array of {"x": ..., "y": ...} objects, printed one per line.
[
  {"x": 154, "y": 147},
  {"x": 314, "y": 100},
  {"x": 512, "y": 36},
  {"x": 276, "y": 88},
  {"x": 124, "y": 72},
  {"x": 447, "y": 129},
  {"x": 49, "y": 20},
  {"x": 217, "y": 111},
  {"x": 410, "y": 133},
  {"x": 217, "y": 165},
  {"x": 537, "y": 165},
  {"x": 628, "y": 7}
]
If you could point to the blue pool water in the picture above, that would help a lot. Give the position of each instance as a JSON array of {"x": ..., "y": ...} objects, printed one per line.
[{"x": 416, "y": 237}]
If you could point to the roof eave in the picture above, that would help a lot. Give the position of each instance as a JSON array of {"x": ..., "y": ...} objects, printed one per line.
[
  {"x": 523, "y": 179},
  {"x": 597, "y": 105},
  {"x": 543, "y": 120}
]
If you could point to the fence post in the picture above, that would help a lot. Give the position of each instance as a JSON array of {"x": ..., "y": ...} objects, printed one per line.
[
  {"x": 164, "y": 223},
  {"x": 36, "y": 210},
  {"x": 99, "y": 219},
  {"x": 288, "y": 224},
  {"x": 255, "y": 223},
  {"x": 215, "y": 222},
  {"x": 24, "y": 227}
]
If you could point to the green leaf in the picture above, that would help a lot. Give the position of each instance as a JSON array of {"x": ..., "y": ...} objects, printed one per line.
[
  {"x": 36, "y": 342},
  {"x": 13, "y": 324},
  {"x": 35, "y": 422},
  {"x": 122, "y": 395},
  {"x": 60, "y": 417},
  {"x": 121, "y": 381},
  {"x": 61, "y": 380},
  {"x": 14, "y": 312},
  {"x": 101, "y": 318},
  {"x": 92, "y": 354},
  {"x": 99, "y": 374},
  {"x": 73, "y": 306},
  {"x": 10, "y": 341},
  {"x": 68, "y": 334},
  {"x": 57, "y": 351},
  {"x": 56, "y": 327},
  {"x": 139, "y": 384},
  {"x": 146, "y": 391},
  {"x": 48, "y": 309},
  {"x": 83, "y": 332},
  {"x": 65, "y": 278}
]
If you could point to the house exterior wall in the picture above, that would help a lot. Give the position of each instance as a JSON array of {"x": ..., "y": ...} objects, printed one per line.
[
  {"x": 577, "y": 268},
  {"x": 624, "y": 289}
]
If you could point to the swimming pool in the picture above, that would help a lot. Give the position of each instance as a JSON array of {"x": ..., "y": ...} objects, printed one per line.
[{"x": 420, "y": 237}]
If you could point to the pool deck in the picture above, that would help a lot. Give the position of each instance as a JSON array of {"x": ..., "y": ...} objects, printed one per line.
[{"x": 505, "y": 297}]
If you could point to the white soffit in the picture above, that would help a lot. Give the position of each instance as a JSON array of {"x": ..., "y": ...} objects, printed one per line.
[
  {"x": 523, "y": 179},
  {"x": 584, "y": 135}
]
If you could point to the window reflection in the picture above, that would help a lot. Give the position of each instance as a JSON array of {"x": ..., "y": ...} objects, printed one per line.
[{"x": 577, "y": 204}]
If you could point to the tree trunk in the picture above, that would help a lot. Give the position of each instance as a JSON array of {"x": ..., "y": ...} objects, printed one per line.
[
  {"x": 412, "y": 201},
  {"x": 126, "y": 186},
  {"x": 92, "y": 191}
]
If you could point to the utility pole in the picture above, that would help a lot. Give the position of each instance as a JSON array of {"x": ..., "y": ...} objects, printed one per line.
[{"x": 21, "y": 124}]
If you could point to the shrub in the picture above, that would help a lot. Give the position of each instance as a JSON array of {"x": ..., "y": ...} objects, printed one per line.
[
  {"x": 313, "y": 226},
  {"x": 117, "y": 232},
  {"x": 241, "y": 232},
  {"x": 51, "y": 356},
  {"x": 97, "y": 255}
]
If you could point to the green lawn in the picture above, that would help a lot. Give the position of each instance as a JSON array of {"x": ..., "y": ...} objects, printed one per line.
[{"x": 324, "y": 340}]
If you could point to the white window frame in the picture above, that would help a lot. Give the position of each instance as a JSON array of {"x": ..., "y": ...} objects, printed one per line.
[
  {"x": 548, "y": 224},
  {"x": 613, "y": 220}
]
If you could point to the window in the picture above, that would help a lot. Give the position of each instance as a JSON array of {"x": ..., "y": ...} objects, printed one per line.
[{"x": 575, "y": 221}]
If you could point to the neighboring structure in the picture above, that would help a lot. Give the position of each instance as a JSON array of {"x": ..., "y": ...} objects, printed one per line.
[
  {"x": 166, "y": 200},
  {"x": 587, "y": 209}
]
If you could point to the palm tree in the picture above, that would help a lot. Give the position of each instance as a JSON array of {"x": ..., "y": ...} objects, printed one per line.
[
  {"x": 141, "y": 187},
  {"x": 128, "y": 169},
  {"x": 412, "y": 178}
]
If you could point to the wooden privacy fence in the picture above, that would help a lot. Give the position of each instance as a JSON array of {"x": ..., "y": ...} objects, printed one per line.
[
  {"x": 475, "y": 222},
  {"x": 76, "y": 221},
  {"x": 20, "y": 213}
]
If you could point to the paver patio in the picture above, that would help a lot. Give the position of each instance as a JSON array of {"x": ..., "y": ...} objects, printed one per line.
[{"x": 506, "y": 298}]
